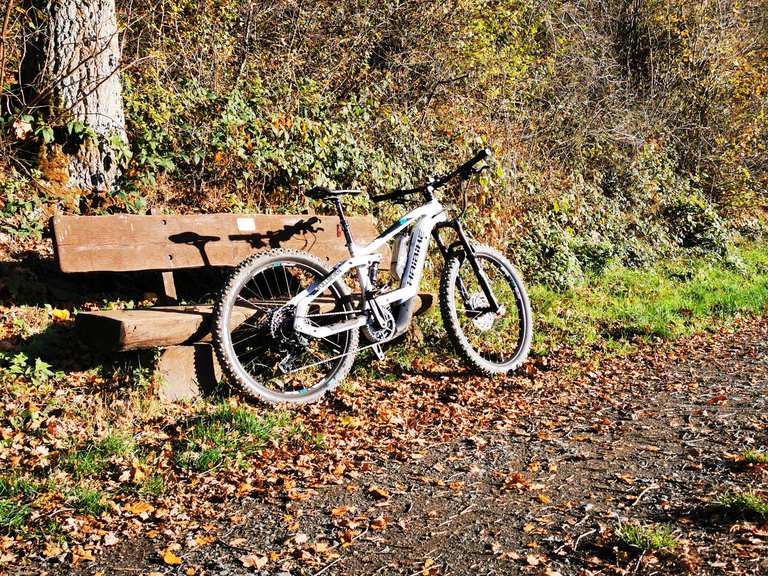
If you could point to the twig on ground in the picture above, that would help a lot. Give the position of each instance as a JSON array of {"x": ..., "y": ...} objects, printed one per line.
[
  {"x": 467, "y": 509},
  {"x": 644, "y": 492},
  {"x": 327, "y": 566},
  {"x": 576, "y": 544}
]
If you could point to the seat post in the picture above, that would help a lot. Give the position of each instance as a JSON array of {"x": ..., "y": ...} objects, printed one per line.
[{"x": 344, "y": 227}]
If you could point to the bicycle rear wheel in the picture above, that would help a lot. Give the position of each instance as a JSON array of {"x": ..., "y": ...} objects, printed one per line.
[
  {"x": 493, "y": 343},
  {"x": 253, "y": 333}
]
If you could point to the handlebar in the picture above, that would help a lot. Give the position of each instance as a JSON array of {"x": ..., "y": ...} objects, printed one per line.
[{"x": 465, "y": 171}]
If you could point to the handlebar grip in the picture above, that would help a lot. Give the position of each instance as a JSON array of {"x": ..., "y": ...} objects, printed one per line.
[
  {"x": 317, "y": 192},
  {"x": 481, "y": 154}
]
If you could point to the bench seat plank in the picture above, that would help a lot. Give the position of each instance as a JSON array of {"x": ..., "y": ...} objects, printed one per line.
[{"x": 127, "y": 242}]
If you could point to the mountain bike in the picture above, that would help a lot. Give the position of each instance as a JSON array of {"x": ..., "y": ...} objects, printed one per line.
[{"x": 287, "y": 329}]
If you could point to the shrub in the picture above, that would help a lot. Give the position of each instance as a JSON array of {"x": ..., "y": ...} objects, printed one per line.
[{"x": 694, "y": 223}]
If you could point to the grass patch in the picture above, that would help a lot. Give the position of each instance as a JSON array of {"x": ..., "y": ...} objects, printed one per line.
[
  {"x": 13, "y": 517},
  {"x": 745, "y": 504},
  {"x": 17, "y": 500},
  {"x": 647, "y": 538},
  {"x": 755, "y": 456},
  {"x": 153, "y": 485},
  {"x": 229, "y": 433},
  {"x": 14, "y": 486},
  {"x": 94, "y": 458},
  {"x": 88, "y": 500},
  {"x": 668, "y": 300}
]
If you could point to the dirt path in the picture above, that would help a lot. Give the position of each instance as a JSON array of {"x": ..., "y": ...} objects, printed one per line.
[{"x": 532, "y": 484}]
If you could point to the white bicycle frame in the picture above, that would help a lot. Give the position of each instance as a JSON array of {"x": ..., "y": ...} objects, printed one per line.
[{"x": 423, "y": 220}]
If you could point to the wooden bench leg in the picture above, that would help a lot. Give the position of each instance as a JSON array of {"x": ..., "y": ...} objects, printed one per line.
[
  {"x": 187, "y": 372},
  {"x": 169, "y": 288}
]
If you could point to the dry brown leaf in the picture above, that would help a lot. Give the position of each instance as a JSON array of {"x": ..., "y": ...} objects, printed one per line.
[
  {"x": 533, "y": 559},
  {"x": 253, "y": 561},
  {"x": 138, "y": 508},
  {"x": 378, "y": 492},
  {"x": 80, "y": 554},
  {"x": 110, "y": 539},
  {"x": 342, "y": 511},
  {"x": 51, "y": 549},
  {"x": 378, "y": 523}
]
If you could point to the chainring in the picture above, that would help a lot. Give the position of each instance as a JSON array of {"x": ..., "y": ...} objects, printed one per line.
[{"x": 379, "y": 333}]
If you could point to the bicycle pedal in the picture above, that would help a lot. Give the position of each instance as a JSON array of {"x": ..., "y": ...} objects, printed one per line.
[{"x": 378, "y": 351}]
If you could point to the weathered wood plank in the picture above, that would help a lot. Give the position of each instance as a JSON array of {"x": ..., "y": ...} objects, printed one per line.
[
  {"x": 125, "y": 242},
  {"x": 161, "y": 326},
  {"x": 118, "y": 330},
  {"x": 187, "y": 372}
]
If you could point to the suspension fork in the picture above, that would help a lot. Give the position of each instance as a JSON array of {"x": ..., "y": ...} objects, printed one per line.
[{"x": 469, "y": 253}]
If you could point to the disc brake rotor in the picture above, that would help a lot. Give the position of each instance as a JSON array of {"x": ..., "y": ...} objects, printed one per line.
[{"x": 478, "y": 311}]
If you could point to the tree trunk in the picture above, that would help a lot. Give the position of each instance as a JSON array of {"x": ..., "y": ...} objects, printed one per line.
[{"x": 71, "y": 73}]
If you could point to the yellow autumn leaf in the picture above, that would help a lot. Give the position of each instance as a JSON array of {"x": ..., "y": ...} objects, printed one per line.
[
  {"x": 352, "y": 422},
  {"x": 140, "y": 507},
  {"x": 60, "y": 315},
  {"x": 170, "y": 558}
]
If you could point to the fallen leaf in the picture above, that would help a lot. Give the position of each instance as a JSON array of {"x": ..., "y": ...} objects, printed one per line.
[
  {"x": 342, "y": 511},
  {"x": 253, "y": 561},
  {"x": 138, "y": 508},
  {"x": 378, "y": 492},
  {"x": 543, "y": 498},
  {"x": 378, "y": 523},
  {"x": 515, "y": 481},
  {"x": 80, "y": 554},
  {"x": 300, "y": 538},
  {"x": 352, "y": 422},
  {"x": 60, "y": 315},
  {"x": 51, "y": 549},
  {"x": 533, "y": 559},
  {"x": 170, "y": 558}
]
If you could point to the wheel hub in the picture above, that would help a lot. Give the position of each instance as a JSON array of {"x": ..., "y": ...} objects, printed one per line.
[
  {"x": 281, "y": 328},
  {"x": 478, "y": 311}
]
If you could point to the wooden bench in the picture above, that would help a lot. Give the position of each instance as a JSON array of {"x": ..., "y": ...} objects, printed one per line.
[{"x": 168, "y": 243}]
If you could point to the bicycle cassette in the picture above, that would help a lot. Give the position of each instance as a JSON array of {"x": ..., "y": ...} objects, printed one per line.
[{"x": 281, "y": 328}]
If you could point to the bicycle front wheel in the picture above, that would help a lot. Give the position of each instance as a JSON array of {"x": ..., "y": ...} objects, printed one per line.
[
  {"x": 253, "y": 334},
  {"x": 491, "y": 342}
]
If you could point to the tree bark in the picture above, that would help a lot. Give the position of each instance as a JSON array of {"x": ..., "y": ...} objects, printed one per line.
[{"x": 71, "y": 73}]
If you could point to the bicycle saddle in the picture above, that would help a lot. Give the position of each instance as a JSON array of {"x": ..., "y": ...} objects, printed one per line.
[{"x": 323, "y": 193}]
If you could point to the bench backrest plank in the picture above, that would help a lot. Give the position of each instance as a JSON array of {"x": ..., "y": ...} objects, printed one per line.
[{"x": 124, "y": 242}]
